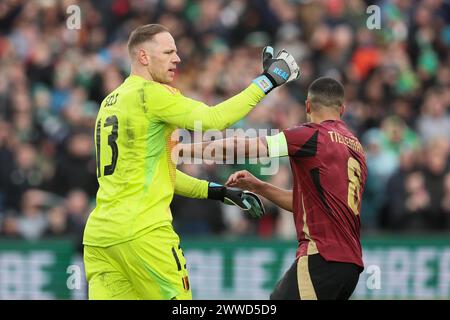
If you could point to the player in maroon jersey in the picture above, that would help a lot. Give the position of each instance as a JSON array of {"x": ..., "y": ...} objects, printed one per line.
[{"x": 329, "y": 170}]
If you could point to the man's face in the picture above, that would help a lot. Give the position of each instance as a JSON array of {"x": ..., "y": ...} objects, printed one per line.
[{"x": 160, "y": 57}]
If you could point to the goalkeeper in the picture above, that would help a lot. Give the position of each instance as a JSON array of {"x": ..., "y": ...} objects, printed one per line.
[{"x": 130, "y": 248}]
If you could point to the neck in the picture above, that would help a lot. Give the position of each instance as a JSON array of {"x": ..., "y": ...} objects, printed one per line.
[
  {"x": 318, "y": 117},
  {"x": 141, "y": 72}
]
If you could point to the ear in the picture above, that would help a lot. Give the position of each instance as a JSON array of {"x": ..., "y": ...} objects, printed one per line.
[
  {"x": 308, "y": 107},
  {"x": 341, "y": 110},
  {"x": 142, "y": 57}
]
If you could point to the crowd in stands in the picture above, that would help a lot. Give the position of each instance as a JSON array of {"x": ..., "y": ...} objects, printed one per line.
[{"x": 396, "y": 78}]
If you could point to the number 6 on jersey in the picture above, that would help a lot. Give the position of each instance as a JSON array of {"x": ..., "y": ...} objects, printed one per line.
[{"x": 354, "y": 185}]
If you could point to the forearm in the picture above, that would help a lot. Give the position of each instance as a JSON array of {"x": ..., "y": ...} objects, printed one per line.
[
  {"x": 227, "y": 113},
  {"x": 225, "y": 149},
  {"x": 190, "y": 187},
  {"x": 280, "y": 197}
]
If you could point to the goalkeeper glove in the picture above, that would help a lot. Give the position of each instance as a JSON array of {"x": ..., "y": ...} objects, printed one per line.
[
  {"x": 277, "y": 71},
  {"x": 246, "y": 200}
]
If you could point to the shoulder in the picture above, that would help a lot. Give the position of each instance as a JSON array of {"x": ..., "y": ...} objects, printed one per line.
[
  {"x": 302, "y": 140},
  {"x": 301, "y": 129},
  {"x": 163, "y": 89},
  {"x": 161, "y": 93},
  {"x": 170, "y": 89}
]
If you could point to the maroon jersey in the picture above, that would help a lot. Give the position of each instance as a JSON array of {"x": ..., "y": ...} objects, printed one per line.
[{"x": 329, "y": 169}]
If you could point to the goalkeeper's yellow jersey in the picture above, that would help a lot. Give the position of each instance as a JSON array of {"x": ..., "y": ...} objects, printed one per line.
[{"x": 133, "y": 144}]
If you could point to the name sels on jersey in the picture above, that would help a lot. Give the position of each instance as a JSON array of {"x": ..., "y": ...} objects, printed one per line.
[
  {"x": 349, "y": 142},
  {"x": 111, "y": 100}
]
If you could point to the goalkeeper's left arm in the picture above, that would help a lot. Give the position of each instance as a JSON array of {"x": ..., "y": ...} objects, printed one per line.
[{"x": 191, "y": 187}]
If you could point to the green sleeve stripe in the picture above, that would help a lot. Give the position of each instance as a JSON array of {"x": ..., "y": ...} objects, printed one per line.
[{"x": 277, "y": 145}]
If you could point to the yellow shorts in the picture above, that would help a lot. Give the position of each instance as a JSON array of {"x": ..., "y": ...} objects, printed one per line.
[{"x": 150, "y": 267}]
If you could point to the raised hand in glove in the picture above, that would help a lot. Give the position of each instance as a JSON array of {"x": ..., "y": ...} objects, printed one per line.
[{"x": 276, "y": 71}]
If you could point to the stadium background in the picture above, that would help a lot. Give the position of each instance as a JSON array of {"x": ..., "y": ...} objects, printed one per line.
[{"x": 397, "y": 82}]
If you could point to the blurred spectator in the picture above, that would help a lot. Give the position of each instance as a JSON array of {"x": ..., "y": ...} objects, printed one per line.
[
  {"x": 24, "y": 172},
  {"x": 394, "y": 195},
  {"x": 417, "y": 203},
  {"x": 77, "y": 209},
  {"x": 75, "y": 168},
  {"x": 436, "y": 167},
  {"x": 381, "y": 164},
  {"x": 434, "y": 121},
  {"x": 396, "y": 135},
  {"x": 417, "y": 197},
  {"x": 57, "y": 222},
  {"x": 9, "y": 228},
  {"x": 31, "y": 221}
]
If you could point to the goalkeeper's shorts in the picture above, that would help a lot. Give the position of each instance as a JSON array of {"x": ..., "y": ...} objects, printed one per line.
[
  {"x": 313, "y": 278},
  {"x": 149, "y": 267}
]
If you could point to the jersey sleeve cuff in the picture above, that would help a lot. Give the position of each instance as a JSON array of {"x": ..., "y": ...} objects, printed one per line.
[
  {"x": 263, "y": 83},
  {"x": 277, "y": 145}
]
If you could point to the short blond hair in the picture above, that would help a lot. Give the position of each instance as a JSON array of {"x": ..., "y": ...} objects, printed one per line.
[{"x": 144, "y": 33}]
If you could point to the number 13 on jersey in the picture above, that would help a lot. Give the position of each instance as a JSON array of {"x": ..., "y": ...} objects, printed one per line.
[{"x": 108, "y": 164}]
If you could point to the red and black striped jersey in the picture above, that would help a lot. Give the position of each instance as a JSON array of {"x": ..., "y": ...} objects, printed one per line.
[{"x": 329, "y": 169}]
